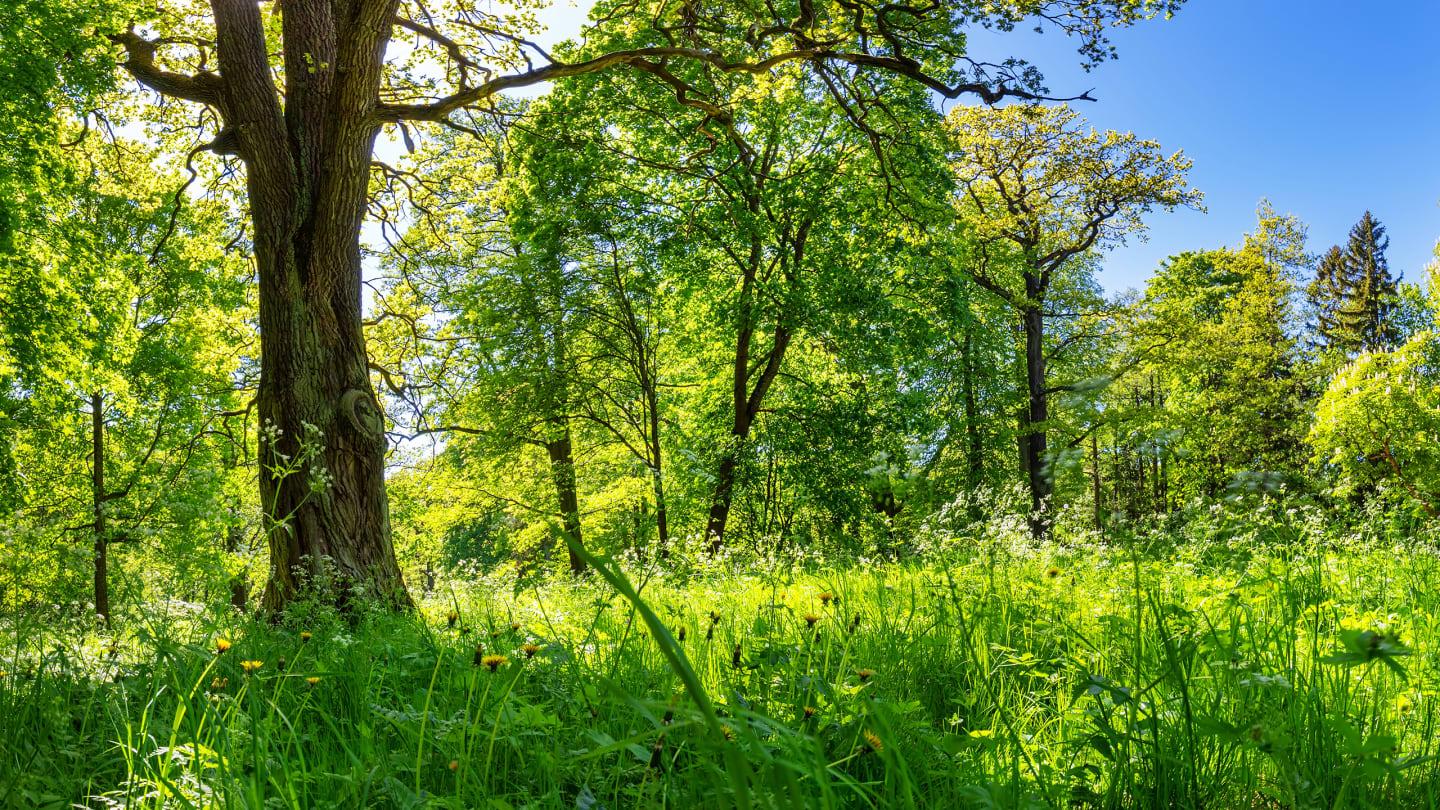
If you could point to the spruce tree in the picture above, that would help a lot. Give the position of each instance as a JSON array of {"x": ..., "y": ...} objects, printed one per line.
[
  {"x": 1327, "y": 295},
  {"x": 1353, "y": 295}
]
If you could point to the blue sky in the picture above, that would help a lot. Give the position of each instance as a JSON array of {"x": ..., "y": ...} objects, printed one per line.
[{"x": 1326, "y": 107}]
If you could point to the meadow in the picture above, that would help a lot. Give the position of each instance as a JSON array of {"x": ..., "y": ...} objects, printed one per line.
[{"x": 1013, "y": 676}]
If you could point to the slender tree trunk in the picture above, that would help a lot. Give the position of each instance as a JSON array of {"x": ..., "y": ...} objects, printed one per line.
[
  {"x": 746, "y": 401},
  {"x": 974, "y": 442},
  {"x": 562, "y": 472},
  {"x": 1038, "y": 412},
  {"x": 657, "y": 477},
  {"x": 97, "y": 489},
  {"x": 1096, "y": 489},
  {"x": 239, "y": 588},
  {"x": 724, "y": 491}
]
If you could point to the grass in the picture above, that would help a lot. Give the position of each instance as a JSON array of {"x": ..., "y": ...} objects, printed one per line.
[{"x": 1054, "y": 678}]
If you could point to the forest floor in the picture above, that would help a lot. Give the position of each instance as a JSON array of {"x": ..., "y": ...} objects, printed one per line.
[{"x": 1050, "y": 678}]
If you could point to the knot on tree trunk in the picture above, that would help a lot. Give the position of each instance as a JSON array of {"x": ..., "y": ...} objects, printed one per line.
[{"x": 359, "y": 410}]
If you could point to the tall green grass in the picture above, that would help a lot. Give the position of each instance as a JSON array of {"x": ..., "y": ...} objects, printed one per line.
[{"x": 1094, "y": 678}]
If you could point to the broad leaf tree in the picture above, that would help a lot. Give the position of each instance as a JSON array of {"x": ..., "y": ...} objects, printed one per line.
[
  {"x": 1036, "y": 191},
  {"x": 299, "y": 91}
]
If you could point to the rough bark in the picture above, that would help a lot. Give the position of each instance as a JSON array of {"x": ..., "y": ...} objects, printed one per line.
[{"x": 307, "y": 172}]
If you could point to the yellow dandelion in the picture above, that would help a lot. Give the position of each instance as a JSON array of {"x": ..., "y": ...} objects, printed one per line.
[
  {"x": 222, "y": 645},
  {"x": 494, "y": 662},
  {"x": 810, "y": 712},
  {"x": 811, "y": 619},
  {"x": 515, "y": 627},
  {"x": 251, "y": 666},
  {"x": 530, "y": 649},
  {"x": 1052, "y": 572},
  {"x": 451, "y": 618},
  {"x": 305, "y": 637},
  {"x": 727, "y": 732},
  {"x": 454, "y": 764},
  {"x": 825, "y": 598},
  {"x": 873, "y": 740},
  {"x": 864, "y": 674},
  {"x": 217, "y": 683},
  {"x": 312, "y": 681}
]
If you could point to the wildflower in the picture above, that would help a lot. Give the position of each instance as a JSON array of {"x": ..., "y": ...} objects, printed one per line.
[
  {"x": 451, "y": 618},
  {"x": 312, "y": 681},
  {"x": 735, "y": 657},
  {"x": 112, "y": 649},
  {"x": 825, "y": 598},
  {"x": 479, "y": 655},
  {"x": 530, "y": 649},
  {"x": 728, "y": 733},
  {"x": 218, "y": 683},
  {"x": 810, "y": 712},
  {"x": 1052, "y": 572},
  {"x": 222, "y": 645},
  {"x": 305, "y": 637},
  {"x": 1404, "y": 704},
  {"x": 811, "y": 619},
  {"x": 251, "y": 666},
  {"x": 515, "y": 627},
  {"x": 494, "y": 662},
  {"x": 454, "y": 764},
  {"x": 864, "y": 674},
  {"x": 873, "y": 740}
]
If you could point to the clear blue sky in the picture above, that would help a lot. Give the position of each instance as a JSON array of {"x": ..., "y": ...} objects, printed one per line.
[{"x": 1326, "y": 107}]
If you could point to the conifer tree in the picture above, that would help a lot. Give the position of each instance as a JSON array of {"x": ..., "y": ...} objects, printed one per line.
[
  {"x": 1327, "y": 295},
  {"x": 1354, "y": 295}
]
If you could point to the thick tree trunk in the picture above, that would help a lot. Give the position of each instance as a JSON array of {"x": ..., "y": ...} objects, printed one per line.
[
  {"x": 97, "y": 489},
  {"x": 1038, "y": 411},
  {"x": 562, "y": 472},
  {"x": 307, "y": 174}
]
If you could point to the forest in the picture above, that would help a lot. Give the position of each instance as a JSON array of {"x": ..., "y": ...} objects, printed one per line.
[{"x": 728, "y": 405}]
